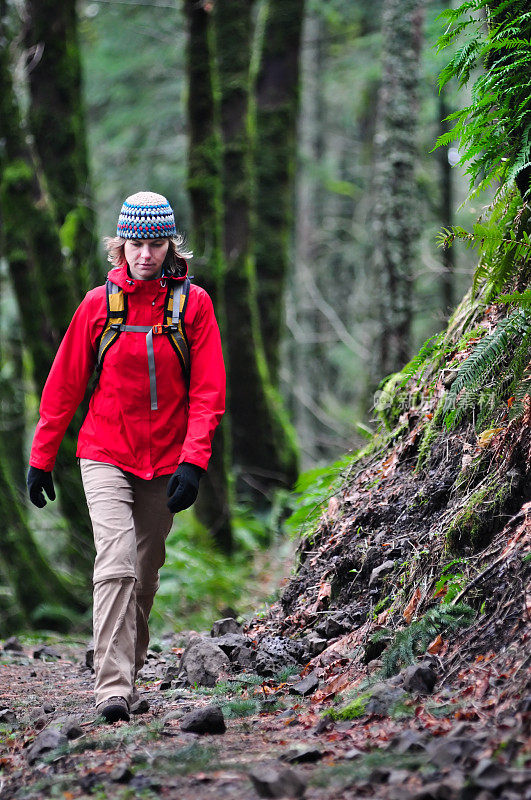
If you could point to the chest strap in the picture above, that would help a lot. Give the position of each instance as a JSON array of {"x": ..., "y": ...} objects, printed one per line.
[
  {"x": 176, "y": 305},
  {"x": 149, "y": 330}
]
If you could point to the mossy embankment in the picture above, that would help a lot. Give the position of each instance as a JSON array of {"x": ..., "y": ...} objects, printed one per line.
[{"x": 433, "y": 514}]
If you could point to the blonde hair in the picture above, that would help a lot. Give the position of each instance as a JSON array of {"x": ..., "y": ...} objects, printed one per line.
[{"x": 174, "y": 263}]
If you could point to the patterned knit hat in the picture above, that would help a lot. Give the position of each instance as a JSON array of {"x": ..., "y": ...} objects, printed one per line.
[{"x": 146, "y": 215}]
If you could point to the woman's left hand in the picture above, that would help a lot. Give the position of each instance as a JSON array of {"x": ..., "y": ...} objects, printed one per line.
[{"x": 183, "y": 487}]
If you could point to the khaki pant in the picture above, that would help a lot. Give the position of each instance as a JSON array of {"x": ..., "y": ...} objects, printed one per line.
[{"x": 130, "y": 521}]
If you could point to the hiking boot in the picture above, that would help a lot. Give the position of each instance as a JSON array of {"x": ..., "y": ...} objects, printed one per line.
[{"x": 113, "y": 709}]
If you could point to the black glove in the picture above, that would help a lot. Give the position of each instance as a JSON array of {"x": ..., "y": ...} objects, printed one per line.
[
  {"x": 183, "y": 487},
  {"x": 39, "y": 479}
]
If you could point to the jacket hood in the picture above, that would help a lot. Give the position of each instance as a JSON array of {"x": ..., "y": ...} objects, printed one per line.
[{"x": 121, "y": 278}]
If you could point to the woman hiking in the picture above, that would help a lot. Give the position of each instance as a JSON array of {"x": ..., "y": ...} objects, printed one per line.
[{"x": 146, "y": 440}]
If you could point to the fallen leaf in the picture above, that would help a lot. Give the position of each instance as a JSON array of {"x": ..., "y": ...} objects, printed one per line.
[
  {"x": 381, "y": 619},
  {"x": 337, "y": 684},
  {"x": 436, "y": 645},
  {"x": 481, "y": 689},
  {"x": 324, "y": 594},
  {"x": 333, "y": 508},
  {"x": 325, "y": 591},
  {"x": 485, "y": 437},
  {"x": 412, "y": 605},
  {"x": 389, "y": 465},
  {"x": 442, "y": 591},
  {"x": 466, "y": 714}
]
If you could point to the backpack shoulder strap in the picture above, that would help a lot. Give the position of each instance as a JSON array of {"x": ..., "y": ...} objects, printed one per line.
[
  {"x": 116, "y": 316},
  {"x": 174, "y": 313}
]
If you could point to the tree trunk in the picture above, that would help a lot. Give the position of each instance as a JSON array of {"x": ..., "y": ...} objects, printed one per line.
[
  {"x": 35, "y": 585},
  {"x": 213, "y": 505},
  {"x": 12, "y": 406},
  {"x": 306, "y": 354},
  {"x": 264, "y": 449},
  {"x": 395, "y": 227},
  {"x": 44, "y": 295},
  {"x": 277, "y": 107},
  {"x": 56, "y": 119}
]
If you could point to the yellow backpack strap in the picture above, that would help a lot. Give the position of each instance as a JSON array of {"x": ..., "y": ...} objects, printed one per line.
[
  {"x": 116, "y": 315},
  {"x": 176, "y": 302}
]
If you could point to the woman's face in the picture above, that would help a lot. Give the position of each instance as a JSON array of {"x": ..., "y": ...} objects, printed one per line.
[{"x": 145, "y": 257}]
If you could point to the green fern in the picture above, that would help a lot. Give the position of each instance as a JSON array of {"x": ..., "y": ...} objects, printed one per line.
[
  {"x": 426, "y": 353},
  {"x": 493, "y": 369},
  {"x": 503, "y": 243},
  {"x": 494, "y": 131},
  {"x": 513, "y": 382},
  {"x": 521, "y": 299},
  {"x": 313, "y": 489},
  {"x": 413, "y": 640},
  {"x": 518, "y": 394}
]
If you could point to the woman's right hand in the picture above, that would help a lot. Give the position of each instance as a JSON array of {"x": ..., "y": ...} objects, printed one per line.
[{"x": 39, "y": 479}]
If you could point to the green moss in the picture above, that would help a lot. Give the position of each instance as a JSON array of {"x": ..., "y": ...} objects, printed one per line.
[
  {"x": 475, "y": 333},
  {"x": 353, "y": 710},
  {"x": 384, "y": 603},
  {"x": 390, "y": 401},
  {"x": 402, "y": 709},
  {"x": 473, "y": 522}
]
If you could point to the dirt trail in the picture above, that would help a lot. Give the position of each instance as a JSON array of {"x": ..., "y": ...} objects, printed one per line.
[{"x": 468, "y": 739}]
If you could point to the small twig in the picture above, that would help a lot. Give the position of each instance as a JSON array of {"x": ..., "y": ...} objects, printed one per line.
[{"x": 524, "y": 663}]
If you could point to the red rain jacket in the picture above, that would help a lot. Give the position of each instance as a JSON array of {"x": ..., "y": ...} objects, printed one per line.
[{"x": 120, "y": 427}]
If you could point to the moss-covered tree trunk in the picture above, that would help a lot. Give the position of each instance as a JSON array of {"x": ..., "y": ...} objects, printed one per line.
[
  {"x": 12, "y": 406},
  {"x": 213, "y": 505},
  {"x": 396, "y": 207},
  {"x": 277, "y": 106},
  {"x": 263, "y": 445},
  {"x": 45, "y": 298},
  {"x": 56, "y": 119},
  {"x": 34, "y": 583},
  {"x": 306, "y": 355}
]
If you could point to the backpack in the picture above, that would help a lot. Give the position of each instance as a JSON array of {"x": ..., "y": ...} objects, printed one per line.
[{"x": 174, "y": 311}]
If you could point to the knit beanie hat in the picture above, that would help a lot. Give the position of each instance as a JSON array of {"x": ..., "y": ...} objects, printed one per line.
[{"x": 146, "y": 215}]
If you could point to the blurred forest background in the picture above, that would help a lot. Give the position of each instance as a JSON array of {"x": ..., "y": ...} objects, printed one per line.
[{"x": 293, "y": 141}]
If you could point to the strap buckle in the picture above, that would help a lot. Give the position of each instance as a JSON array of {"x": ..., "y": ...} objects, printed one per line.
[{"x": 159, "y": 328}]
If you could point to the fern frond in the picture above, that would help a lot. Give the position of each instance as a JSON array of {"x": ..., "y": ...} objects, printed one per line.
[
  {"x": 505, "y": 352},
  {"x": 414, "y": 639},
  {"x": 522, "y": 299},
  {"x": 426, "y": 351},
  {"x": 493, "y": 131}
]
